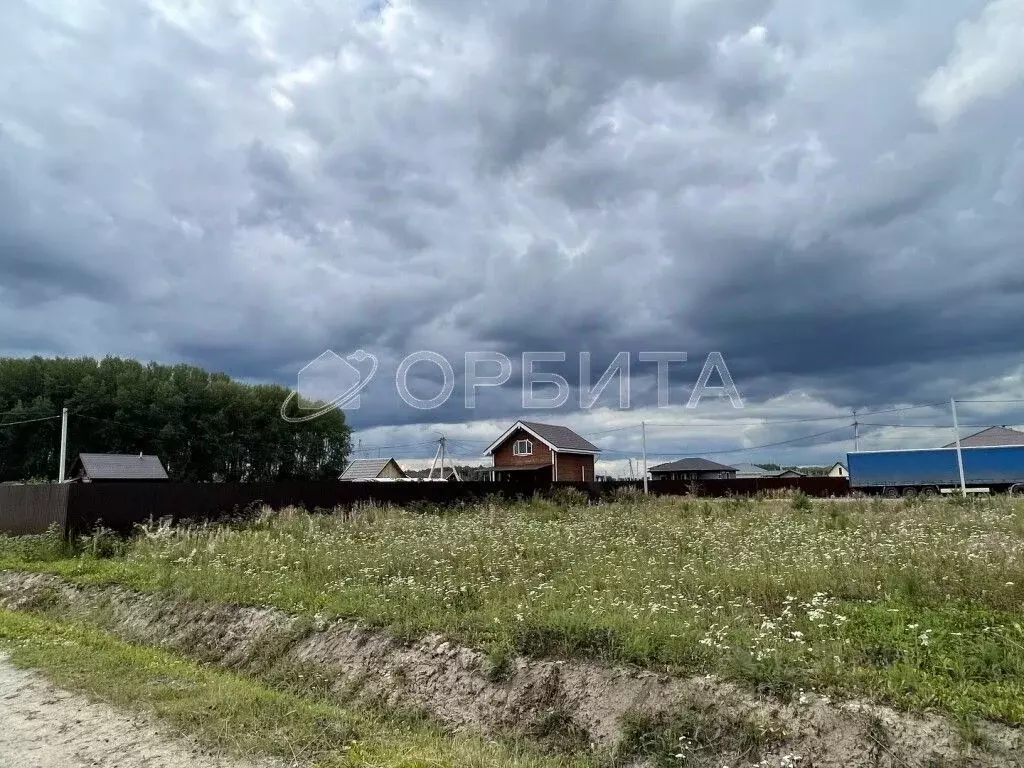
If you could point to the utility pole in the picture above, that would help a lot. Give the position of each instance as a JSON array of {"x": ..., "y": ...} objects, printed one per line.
[
  {"x": 959, "y": 452},
  {"x": 856, "y": 432},
  {"x": 63, "y": 445},
  {"x": 437, "y": 453},
  {"x": 643, "y": 443},
  {"x": 441, "y": 453}
]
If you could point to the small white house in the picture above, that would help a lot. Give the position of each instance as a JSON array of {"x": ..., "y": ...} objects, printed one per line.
[{"x": 839, "y": 470}]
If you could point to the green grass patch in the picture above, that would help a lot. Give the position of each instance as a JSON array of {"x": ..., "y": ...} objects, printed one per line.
[
  {"x": 238, "y": 715},
  {"x": 697, "y": 737},
  {"x": 916, "y": 603}
]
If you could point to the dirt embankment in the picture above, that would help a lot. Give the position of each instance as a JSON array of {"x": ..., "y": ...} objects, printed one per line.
[{"x": 590, "y": 704}]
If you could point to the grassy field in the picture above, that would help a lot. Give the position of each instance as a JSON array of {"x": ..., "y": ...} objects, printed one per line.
[
  {"x": 241, "y": 716},
  {"x": 915, "y": 603}
]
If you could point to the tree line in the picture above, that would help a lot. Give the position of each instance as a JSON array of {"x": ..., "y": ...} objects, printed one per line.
[
  {"x": 203, "y": 426},
  {"x": 466, "y": 472},
  {"x": 809, "y": 471}
]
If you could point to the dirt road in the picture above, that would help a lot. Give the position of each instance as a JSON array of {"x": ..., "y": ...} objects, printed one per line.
[{"x": 42, "y": 726}]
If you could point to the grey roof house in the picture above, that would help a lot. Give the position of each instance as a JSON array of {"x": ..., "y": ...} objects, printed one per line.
[
  {"x": 372, "y": 469},
  {"x": 555, "y": 435},
  {"x": 530, "y": 450},
  {"x": 752, "y": 470},
  {"x": 692, "y": 469},
  {"x": 993, "y": 436},
  {"x": 108, "y": 467}
]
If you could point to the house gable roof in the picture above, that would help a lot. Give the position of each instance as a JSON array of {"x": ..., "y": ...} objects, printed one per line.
[
  {"x": 368, "y": 469},
  {"x": 692, "y": 465},
  {"x": 751, "y": 470},
  {"x": 121, "y": 466},
  {"x": 556, "y": 437},
  {"x": 993, "y": 436}
]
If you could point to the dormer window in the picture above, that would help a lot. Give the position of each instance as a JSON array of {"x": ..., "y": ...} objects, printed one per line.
[{"x": 522, "y": 448}]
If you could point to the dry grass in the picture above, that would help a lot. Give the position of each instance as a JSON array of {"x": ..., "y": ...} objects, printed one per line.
[{"x": 915, "y": 603}]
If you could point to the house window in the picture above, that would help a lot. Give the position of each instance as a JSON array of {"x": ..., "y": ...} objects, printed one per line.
[{"x": 522, "y": 448}]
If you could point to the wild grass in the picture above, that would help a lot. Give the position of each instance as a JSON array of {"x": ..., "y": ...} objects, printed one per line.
[
  {"x": 238, "y": 715},
  {"x": 917, "y": 603},
  {"x": 696, "y": 736}
]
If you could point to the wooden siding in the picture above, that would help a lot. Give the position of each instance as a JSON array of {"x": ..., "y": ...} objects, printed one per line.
[
  {"x": 503, "y": 456},
  {"x": 391, "y": 470},
  {"x": 574, "y": 468}
]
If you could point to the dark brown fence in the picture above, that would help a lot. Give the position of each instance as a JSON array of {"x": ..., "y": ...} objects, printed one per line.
[
  {"x": 32, "y": 509},
  {"x": 120, "y": 506},
  {"x": 820, "y": 487}
]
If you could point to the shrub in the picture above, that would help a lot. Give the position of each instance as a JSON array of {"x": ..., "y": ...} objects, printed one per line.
[
  {"x": 102, "y": 542},
  {"x": 570, "y": 497},
  {"x": 802, "y": 502},
  {"x": 47, "y": 547},
  {"x": 499, "y": 666},
  {"x": 627, "y": 493}
]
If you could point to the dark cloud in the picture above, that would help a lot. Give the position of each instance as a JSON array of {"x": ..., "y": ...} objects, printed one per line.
[{"x": 826, "y": 195}]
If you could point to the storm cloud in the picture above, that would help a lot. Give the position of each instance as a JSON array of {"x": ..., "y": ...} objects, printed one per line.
[{"x": 830, "y": 195}]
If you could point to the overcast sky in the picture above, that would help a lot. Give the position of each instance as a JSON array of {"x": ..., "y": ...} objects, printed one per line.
[{"x": 831, "y": 195}]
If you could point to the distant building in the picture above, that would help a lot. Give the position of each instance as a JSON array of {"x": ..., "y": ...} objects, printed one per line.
[
  {"x": 789, "y": 473},
  {"x": 372, "y": 469},
  {"x": 993, "y": 436},
  {"x": 113, "y": 467},
  {"x": 545, "y": 452},
  {"x": 692, "y": 469},
  {"x": 839, "y": 470},
  {"x": 752, "y": 470}
]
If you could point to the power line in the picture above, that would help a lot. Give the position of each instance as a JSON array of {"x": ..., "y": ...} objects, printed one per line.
[
  {"x": 364, "y": 448},
  {"x": 465, "y": 445},
  {"x": 784, "y": 442},
  {"x": 922, "y": 426},
  {"x": 467, "y": 449},
  {"x": 609, "y": 431},
  {"x": 726, "y": 425},
  {"x": 809, "y": 420},
  {"x": 28, "y": 421},
  {"x": 469, "y": 440},
  {"x": 731, "y": 424},
  {"x": 990, "y": 401},
  {"x": 743, "y": 450}
]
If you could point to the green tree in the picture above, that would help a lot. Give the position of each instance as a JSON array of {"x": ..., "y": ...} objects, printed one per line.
[{"x": 203, "y": 426}]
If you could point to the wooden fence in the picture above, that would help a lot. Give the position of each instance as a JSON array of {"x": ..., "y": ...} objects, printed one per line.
[{"x": 78, "y": 507}]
